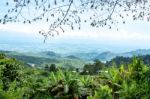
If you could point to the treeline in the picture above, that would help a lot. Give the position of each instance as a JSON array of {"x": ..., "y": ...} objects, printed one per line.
[
  {"x": 95, "y": 81},
  {"x": 120, "y": 60}
]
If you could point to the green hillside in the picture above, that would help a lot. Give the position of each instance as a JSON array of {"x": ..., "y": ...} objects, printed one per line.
[
  {"x": 18, "y": 81},
  {"x": 119, "y": 60},
  {"x": 41, "y": 58}
]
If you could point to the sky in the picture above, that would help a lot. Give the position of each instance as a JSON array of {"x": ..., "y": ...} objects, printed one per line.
[{"x": 132, "y": 35}]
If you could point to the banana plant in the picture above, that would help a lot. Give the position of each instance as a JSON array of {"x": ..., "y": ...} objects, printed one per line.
[
  {"x": 104, "y": 92},
  {"x": 64, "y": 85}
]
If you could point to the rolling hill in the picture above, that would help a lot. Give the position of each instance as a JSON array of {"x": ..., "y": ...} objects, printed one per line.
[{"x": 39, "y": 59}]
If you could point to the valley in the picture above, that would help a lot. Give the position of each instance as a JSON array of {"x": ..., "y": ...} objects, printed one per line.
[{"x": 74, "y": 59}]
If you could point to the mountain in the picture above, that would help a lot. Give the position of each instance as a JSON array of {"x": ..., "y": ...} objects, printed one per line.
[
  {"x": 2, "y": 51},
  {"x": 138, "y": 52},
  {"x": 86, "y": 56},
  {"x": 50, "y": 54},
  {"x": 120, "y": 60},
  {"x": 72, "y": 57},
  {"x": 39, "y": 59},
  {"x": 105, "y": 56}
]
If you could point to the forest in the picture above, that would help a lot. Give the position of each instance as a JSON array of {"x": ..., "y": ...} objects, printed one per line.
[{"x": 95, "y": 81}]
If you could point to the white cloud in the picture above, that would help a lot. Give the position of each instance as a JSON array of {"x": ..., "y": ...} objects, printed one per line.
[
  {"x": 104, "y": 35},
  {"x": 18, "y": 28},
  {"x": 116, "y": 36}
]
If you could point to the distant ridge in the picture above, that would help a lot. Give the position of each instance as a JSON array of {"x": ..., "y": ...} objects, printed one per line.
[
  {"x": 72, "y": 57},
  {"x": 53, "y": 57},
  {"x": 105, "y": 56},
  {"x": 137, "y": 52}
]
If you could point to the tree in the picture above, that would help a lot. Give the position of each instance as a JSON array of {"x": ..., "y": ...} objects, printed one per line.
[
  {"x": 98, "y": 64},
  {"x": 2, "y": 56},
  {"x": 88, "y": 69},
  {"x": 51, "y": 68},
  {"x": 10, "y": 71},
  {"x": 93, "y": 68},
  {"x": 60, "y": 13}
]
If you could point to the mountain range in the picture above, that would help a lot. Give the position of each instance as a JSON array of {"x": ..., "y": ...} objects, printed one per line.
[
  {"x": 108, "y": 55},
  {"x": 71, "y": 60}
]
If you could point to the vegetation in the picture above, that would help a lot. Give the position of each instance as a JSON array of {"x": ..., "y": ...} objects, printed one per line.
[
  {"x": 93, "y": 68},
  {"x": 124, "y": 82},
  {"x": 96, "y": 81},
  {"x": 119, "y": 60},
  {"x": 40, "y": 59}
]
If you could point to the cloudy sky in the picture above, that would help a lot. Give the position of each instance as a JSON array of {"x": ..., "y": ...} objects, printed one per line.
[{"x": 132, "y": 35}]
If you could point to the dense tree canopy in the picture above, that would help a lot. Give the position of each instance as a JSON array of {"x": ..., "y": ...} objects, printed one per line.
[
  {"x": 72, "y": 13},
  {"x": 18, "y": 81}
]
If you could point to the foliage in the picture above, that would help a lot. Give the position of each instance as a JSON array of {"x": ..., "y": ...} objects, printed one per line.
[
  {"x": 93, "y": 68},
  {"x": 124, "y": 82},
  {"x": 51, "y": 68},
  {"x": 10, "y": 71},
  {"x": 119, "y": 60},
  {"x": 2, "y": 55},
  {"x": 40, "y": 59}
]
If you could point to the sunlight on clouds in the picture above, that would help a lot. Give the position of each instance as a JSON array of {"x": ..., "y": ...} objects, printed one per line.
[
  {"x": 22, "y": 29},
  {"x": 85, "y": 34},
  {"x": 121, "y": 36},
  {"x": 19, "y": 28}
]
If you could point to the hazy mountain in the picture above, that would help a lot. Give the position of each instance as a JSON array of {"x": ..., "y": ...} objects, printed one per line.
[
  {"x": 39, "y": 59},
  {"x": 73, "y": 59},
  {"x": 86, "y": 56},
  {"x": 50, "y": 54},
  {"x": 105, "y": 56},
  {"x": 136, "y": 53},
  {"x": 34, "y": 60}
]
